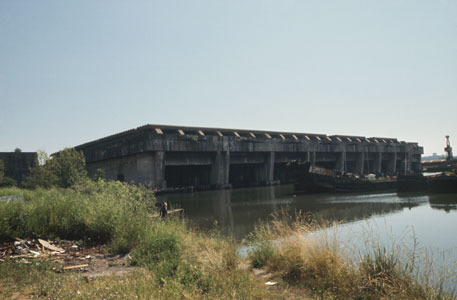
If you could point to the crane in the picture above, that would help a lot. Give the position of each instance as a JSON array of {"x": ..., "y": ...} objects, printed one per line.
[{"x": 448, "y": 149}]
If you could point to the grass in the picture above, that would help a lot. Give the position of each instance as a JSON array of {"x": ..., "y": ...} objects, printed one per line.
[
  {"x": 96, "y": 212},
  {"x": 141, "y": 284},
  {"x": 180, "y": 264},
  {"x": 306, "y": 255},
  {"x": 175, "y": 261}
]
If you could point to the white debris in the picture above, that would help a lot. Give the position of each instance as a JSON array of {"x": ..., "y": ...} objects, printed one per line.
[
  {"x": 24, "y": 261},
  {"x": 50, "y": 247}
]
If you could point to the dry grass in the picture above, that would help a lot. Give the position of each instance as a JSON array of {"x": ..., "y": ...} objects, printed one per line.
[
  {"x": 207, "y": 268},
  {"x": 305, "y": 255}
]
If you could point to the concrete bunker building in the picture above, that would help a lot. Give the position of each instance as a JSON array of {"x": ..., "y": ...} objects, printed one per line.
[
  {"x": 165, "y": 156},
  {"x": 18, "y": 164}
]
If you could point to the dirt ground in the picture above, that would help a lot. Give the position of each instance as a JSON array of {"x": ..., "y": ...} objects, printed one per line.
[
  {"x": 93, "y": 261},
  {"x": 96, "y": 261}
]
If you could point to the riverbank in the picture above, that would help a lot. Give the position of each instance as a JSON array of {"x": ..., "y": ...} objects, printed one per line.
[{"x": 171, "y": 260}]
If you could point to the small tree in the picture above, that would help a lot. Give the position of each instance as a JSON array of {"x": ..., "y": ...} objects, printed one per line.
[
  {"x": 18, "y": 150},
  {"x": 69, "y": 166},
  {"x": 65, "y": 169},
  {"x": 41, "y": 174}
]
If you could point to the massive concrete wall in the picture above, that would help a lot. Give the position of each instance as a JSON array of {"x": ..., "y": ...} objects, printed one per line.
[
  {"x": 173, "y": 156},
  {"x": 18, "y": 164}
]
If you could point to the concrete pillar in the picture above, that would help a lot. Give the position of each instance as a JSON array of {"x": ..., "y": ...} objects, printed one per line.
[
  {"x": 409, "y": 160},
  {"x": 220, "y": 170},
  {"x": 406, "y": 163},
  {"x": 416, "y": 164},
  {"x": 150, "y": 169},
  {"x": 341, "y": 162},
  {"x": 360, "y": 163},
  {"x": 159, "y": 169},
  {"x": 378, "y": 163},
  {"x": 269, "y": 168},
  {"x": 392, "y": 164},
  {"x": 313, "y": 159}
]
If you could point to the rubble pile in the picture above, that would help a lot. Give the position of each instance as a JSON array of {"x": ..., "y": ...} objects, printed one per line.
[{"x": 70, "y": 255}]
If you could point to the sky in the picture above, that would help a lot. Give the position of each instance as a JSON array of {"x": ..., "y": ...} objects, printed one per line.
[{"x": 75, "y": 71}]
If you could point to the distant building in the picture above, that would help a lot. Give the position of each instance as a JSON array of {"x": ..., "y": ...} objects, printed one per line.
[
  {"x": 18, "y": 164},
  {"x": 433, "y": 157}
]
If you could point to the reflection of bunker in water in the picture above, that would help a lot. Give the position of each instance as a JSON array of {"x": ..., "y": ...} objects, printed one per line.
[
  {"x": 446, "y": 202},
  {"x": 236, "y": 211}
]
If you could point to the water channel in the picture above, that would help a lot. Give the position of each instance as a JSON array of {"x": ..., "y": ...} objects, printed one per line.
[
  {"x": 429, "y": 220},
  {"x": 433, "y": 217}
]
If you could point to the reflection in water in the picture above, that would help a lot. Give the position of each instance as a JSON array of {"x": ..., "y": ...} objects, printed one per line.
[
  {"x": 386, "y": 216},
  {"x": 236, "y": 211},
  {"x": 447, "y": 202}
]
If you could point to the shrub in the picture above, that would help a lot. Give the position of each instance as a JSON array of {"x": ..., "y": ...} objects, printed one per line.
[
  {"x": 261, "y": 254},
  {"x": 160, "y": 252},
  {"x": 192, "y": 275},
  {"x": 93, "y": 211},
  {"x": 7, "y": 181}
]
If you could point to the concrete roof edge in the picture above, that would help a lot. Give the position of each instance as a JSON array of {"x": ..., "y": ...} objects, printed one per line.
[{"x": 152, "y": 127}]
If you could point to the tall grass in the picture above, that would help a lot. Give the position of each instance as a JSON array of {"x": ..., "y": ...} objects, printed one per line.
[
  {"x": 95, "y": 212},
  {"x": 175, "y": 262},
  {"x": 304, "y": 254}
]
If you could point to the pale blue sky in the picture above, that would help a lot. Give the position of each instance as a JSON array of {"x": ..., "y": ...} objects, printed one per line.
[{"x": 75, "y": 71}]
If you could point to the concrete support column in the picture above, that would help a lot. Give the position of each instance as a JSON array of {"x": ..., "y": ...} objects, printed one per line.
[
  {"x": 392, "y": 164},
  {"x": 150, "y": 169},
  {"x": 378, "y": 163},
  {"x": 416, "y": 164},
  {"x": 341, "y": 162},
  {"x": 159, "y": 169},
  {"x": 409, "y": 161},
  {"x": 269, "y": 168},
  {"x": 313, "y": 158},
  {"x": 360, "y": 163},
  {"x": 220, "y": 170},
  {"x": 406, "y": 163}
]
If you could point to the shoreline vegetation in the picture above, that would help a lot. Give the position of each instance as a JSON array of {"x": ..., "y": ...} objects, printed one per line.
[{"x": 172, "y": 260}]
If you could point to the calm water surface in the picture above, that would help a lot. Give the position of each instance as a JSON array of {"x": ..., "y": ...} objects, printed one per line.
[
  {"x": 388, "y": 219},
  {"x": 433, "y": 217}
]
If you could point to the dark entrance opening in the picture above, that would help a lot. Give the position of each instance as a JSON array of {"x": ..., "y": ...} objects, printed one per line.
[
  {"x": 350, "y": 166},
  {"x": 368, "y": 167},
  {"x": 186, "y": 176},
  {"x": 384, "y": 166},
  {"x": 245, "y": 175},
  {"x": 284, "y": 173},
  {"x": 400, "y": 167},
  {"x": 416, "y": 167}
]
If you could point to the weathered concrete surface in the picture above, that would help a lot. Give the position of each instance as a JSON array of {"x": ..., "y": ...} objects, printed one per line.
[
  {"x": 18, "y": 164},
  {"x": 162, "y": 156}
]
